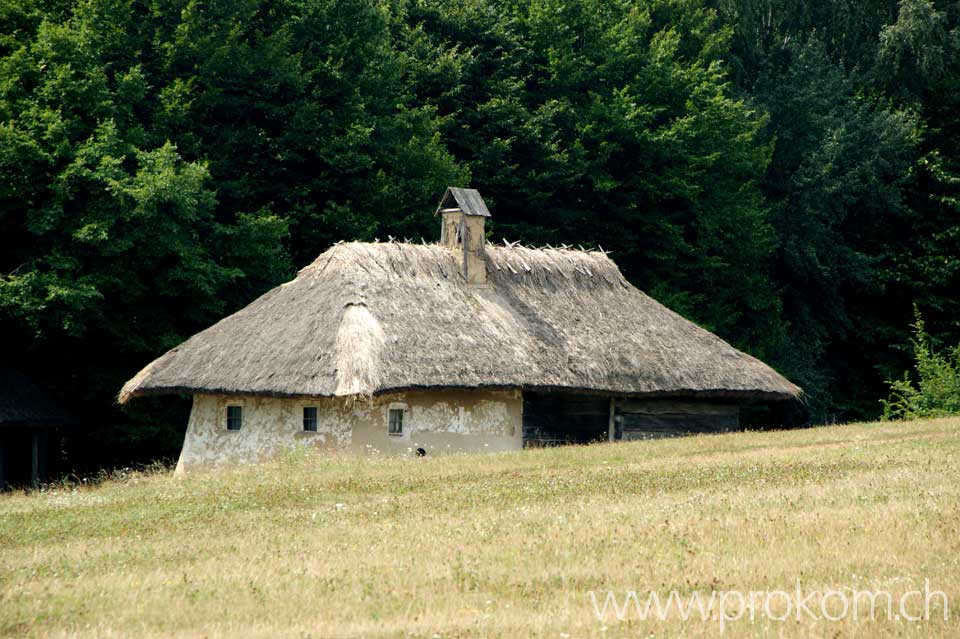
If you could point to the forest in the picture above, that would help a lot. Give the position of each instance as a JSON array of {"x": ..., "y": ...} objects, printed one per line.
[{"x": 784, "y": 173}]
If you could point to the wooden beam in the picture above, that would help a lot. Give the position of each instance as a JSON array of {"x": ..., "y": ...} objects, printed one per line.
[
  {"x": 611, "y": 421},
  {"x": 677, "y": 406},
  {"x": 34, "y": 458},
  {"x": 42, "y": 460}
]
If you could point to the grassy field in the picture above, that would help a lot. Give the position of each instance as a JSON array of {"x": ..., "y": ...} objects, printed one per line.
[{"x": 506, "y": 545}]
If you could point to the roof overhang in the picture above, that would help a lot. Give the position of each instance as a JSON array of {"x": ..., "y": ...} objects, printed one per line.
[{"x": 468, "y": 201}]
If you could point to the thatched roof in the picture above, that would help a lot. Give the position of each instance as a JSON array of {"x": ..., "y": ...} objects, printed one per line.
[
  {"x": 23, "y": 404},
  {"x": 367, "y": 318}
]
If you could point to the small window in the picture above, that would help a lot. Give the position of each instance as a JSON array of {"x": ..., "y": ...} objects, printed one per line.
[
  {"x": 234, "y": 417},
  {"x": 310, "y": 418},
  {"x": 395, "y": 422}
]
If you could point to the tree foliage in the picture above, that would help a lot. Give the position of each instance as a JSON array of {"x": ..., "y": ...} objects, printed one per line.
[
  {"x": 614, "y": 124},
  {"x": 165, "y": 162},
  {"x": 862, "y": 179}
]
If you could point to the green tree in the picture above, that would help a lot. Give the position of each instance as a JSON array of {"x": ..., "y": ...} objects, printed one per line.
[
  {"x": 303, "y": 109},
  {"x": 918, "y": 64},
  {"x": 838, "y": 178},
  {"x": 863, "y": 179},
  {"x": 164, "y": 162},
  {"x": 613, "y": 124}
]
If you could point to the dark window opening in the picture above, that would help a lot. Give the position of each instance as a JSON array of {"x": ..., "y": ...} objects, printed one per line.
[
  {"x": 310, "y": 418},
  {"x": 234, "y": 417},
  {"x": 395, "y": 422}
]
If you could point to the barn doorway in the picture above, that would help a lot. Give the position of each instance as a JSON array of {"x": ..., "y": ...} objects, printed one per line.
[
  {"x": 557, "y": 419},
  {"x": 23, "y": 457}
]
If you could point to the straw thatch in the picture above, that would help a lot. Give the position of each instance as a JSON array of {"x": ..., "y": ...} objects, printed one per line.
[{"x": 369, "y": 318}]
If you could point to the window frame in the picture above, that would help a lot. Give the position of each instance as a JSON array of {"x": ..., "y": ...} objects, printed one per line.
[
  {"x": 310, "y": 421},
  {"x": 237, "y": 419},
  {"x": 402, "y": 409}
]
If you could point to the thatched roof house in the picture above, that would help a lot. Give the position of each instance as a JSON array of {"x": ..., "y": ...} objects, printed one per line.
[{"x": 509, "y": 324}]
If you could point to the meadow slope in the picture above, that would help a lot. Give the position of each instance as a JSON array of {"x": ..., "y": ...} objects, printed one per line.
[{"x": 506, "y": 545}]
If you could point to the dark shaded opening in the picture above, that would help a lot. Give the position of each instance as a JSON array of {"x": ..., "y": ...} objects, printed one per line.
[
  {"x": 555, "y": 419},
  {"x": 234, "y": 417},
  {"x": 310, "y": 419},
  {"x": 23, "y": 457}
]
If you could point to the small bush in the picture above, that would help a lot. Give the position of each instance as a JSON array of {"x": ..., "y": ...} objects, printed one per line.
[{"x": 937, "y": 391}]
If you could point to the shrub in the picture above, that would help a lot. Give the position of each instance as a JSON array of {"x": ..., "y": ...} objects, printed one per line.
[{"x": 937, "y": 390}]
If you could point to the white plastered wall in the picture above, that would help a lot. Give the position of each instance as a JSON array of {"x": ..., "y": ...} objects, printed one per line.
[{"x": 440, "y": 422}]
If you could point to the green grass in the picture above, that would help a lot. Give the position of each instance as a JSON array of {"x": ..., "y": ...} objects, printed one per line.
[{"x": 504, "y": 545}]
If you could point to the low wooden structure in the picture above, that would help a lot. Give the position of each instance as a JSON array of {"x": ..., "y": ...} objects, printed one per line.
[
  {"x": 551, "y": 419},
  {"x": 458, "y": 346},
  {"x": 29, "y": 420}
]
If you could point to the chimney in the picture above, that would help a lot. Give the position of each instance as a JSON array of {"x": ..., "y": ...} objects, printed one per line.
[{"x": 463, "y": 215}]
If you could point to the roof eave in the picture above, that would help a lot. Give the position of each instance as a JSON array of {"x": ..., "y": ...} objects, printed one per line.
[{"x": 761, "y": 394}]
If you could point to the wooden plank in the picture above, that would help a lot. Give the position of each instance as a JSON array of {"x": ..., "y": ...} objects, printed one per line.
[
  {"x": 42, "y": 460},
  {"x": 640, "y": 426},
  {"x": 672, "y": 406},
  {"x": 34, "y": 458},
  {"x": 611, "y": 421},
  {"x": 635, "y": 435},
  {"x": 569, "y": 404}
]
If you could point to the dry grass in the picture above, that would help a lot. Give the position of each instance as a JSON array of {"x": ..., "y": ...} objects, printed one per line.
[{"x": 492, "y": 546}]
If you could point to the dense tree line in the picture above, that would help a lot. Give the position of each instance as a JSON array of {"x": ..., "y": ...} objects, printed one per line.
[{"x": 785, "y": 173}]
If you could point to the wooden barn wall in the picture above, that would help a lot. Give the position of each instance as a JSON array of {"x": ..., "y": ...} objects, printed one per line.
[
  {"x": 552, "y": 419},
  {"x": 23, "y": 456},
  {"x": 653, "y": 418}
]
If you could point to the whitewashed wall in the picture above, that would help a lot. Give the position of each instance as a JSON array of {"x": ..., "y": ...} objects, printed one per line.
[{"x": 440, "y": 422}]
